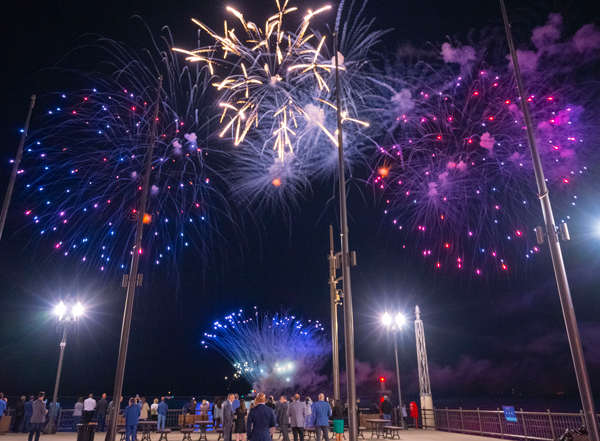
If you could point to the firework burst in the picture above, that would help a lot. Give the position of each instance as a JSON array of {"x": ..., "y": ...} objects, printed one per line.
[
  {"x": 272, "y": 352},
  {"x": 83, "y": 170}
]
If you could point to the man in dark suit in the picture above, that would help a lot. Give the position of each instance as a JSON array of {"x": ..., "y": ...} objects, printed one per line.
[
  {"x": 282, "y": 417},
  {"x": 227, "y": 417},
  {"x": 260, "y": 420}
]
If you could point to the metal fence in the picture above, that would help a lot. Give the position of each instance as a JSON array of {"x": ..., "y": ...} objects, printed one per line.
[{"x": 543, "y": 426}]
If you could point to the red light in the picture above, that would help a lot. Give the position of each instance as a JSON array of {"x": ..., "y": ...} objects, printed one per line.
[
  {"x": 518, "y": 233},
  {"x": 491, "y": 118},
  {"x": 566, "y": 181},
  {"x": 439, "y": 137},
  {"x": 476, "y": 93},
  {"x": 550, "y": 98},
  {"x": 133, "y": 108},
  {"x": 447, "y": 245},
  {"x": 85, "y": 99},
  {"x": 507, "y": 102},
  {"x": 438, "y": 264},
  {"x": 382, "y": 379}
]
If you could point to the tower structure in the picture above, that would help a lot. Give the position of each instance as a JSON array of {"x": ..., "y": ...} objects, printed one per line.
[{"x": 424, "y": 384}]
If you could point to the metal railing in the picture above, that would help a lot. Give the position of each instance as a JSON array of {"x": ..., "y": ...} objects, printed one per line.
[{"x": 542, "y": 426}]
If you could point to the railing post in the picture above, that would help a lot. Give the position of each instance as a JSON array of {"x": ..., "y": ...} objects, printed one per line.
[
  {"x": 462, "y": 423},
  {"x": 448, "y": 418},
  {"x": 500, "y": 421},
  {"x": 524, "y": 426},
  {"x": 58, "y": 422},
  {"x": 480, "y": 425},
  {"x": 551, "y": 425}
]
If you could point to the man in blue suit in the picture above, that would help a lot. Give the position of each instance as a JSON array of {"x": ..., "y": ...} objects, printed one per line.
[
  {"x": 132, "y": 417},
  {"x": 321, "y": 412},
  {"x": 227, "y": 417},
  {"x": 260, "y": 420}
]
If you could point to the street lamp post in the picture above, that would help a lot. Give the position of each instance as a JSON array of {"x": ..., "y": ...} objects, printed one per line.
[
  {"x": 64, "y": 322},
  {"x": 394, "y": 326}
]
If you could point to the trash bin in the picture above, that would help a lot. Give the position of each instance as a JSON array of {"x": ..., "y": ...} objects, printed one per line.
[{"x": 85, "y": 432}]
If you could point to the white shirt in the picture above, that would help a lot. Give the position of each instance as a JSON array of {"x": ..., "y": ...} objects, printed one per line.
[{"x": 89, "y": 404}]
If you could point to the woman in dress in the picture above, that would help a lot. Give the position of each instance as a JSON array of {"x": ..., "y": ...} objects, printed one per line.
[
  {"x": 154, "y": 410},
  {"x": 77, "y": 413},
  {"x": 217, "y": 412},
  {"x": 240, "y": 421},
  {"x": 338, "y": 420},
  {"x": 144, "y": 409},
  {"x": 204, "y": 408}
]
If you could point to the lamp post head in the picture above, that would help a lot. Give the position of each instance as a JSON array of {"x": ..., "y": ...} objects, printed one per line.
[
  {"x": 386, "y": 319},
  {"x": 400, "y": 320},
  {"x": 61, "y": 310}
]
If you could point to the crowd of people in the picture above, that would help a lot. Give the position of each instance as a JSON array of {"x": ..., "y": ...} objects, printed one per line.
[{"x": 255, "y": 418}]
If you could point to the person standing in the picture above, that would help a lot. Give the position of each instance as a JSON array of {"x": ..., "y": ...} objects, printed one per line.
[
  {"x": 297, "y": 413},
  {"x": 321, "y": 412},
  {"x": 217, "y": 412},
  {"x": 271, "y": 405},
  {"x": 53, "y": 413},
  {"x": 240, "y": 421},
  {"x": 111, "y": 406},
  {"x": 161, "y": 411},
  {"x": 204, "y": 408},
  {"x": 227, "y": 417},
  {"x": 154, "y": 410},
  {"x": 192, "y": 407},
  {"x": 77, "y": 412},
  {"x": 38, "y": 417},
  {"x": 144, "y": 408},
  {"x": 89, "y": 406},
  {"x": 386, "y": 409},
  {"x": 132, "y": 418},
  {"x": 283, "y": 419},
  {"x": 236, "y": 403},
  {"x": 338, "y": 420},
  {"x": 19, "y": 414},
  {"x": 373, "y": 408},
  {"x": 102, "y": 409},
  {"x": 28, "y": 413},
  {"x": 260, "y": 420},
  {"x": 2, "y": 404},
  {"x": 308, "y": 404}
]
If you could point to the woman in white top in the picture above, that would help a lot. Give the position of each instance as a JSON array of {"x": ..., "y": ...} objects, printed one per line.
[
  {"x": 154, "y": 410},
  {"x": 144, "y": 409}
]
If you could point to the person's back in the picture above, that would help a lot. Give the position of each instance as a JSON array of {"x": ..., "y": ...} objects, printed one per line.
[
  {"x": 386, "y": 407},
  {"x": 39, "y": 412},
  {"x": 297, "y": 413},
  {"x": 132, "y": 415},
  {"x": 260, "y": 420},
  {"x": 162, "y": 408},
  {"x": 78, "y": 409},
  {"x": 321, "y": 413},
  {"x": 2, "y": 406},
  {"x": 29, "y": 408},
  {"x": 20, "y": 408}
]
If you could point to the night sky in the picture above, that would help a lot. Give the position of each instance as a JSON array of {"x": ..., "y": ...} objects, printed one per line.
[{"x": 498, "y": 334}]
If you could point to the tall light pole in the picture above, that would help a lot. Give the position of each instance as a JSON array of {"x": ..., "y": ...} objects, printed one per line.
[
  {"x": 64, "y": 322},
  {"x": 395, "y": 325},
  {"x": 334, "y": 299},
  {"x": 428, "y": 417},
  {"x": 347, "y": 286},
  {"x": 134, "y": 279},
  {"x": 15, "y": 170},
  {"x": 583, "y": 381}
]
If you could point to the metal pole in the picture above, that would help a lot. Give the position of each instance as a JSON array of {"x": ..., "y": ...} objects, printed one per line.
[
  {"x": 50, "y": 427},
  {"x": 334, "y": 320},
  {"x": 398, "y": 378},
  {"x": 132, "y": 281},
  {"x": 15, "y": 170},
  {"x": 557, "y": 260},
  {"x": 347, "y": 288}
]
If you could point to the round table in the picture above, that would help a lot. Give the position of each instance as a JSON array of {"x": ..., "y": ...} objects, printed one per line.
[{"x": 376, "y": 430}]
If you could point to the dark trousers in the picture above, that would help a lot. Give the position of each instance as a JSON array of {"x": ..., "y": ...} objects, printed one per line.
[
  {"x": 37, "y": 429},
  {"x": 17, "y": 423},
  {"x": 227, "y": 427},
  {"x": 131, "y": 433},
  {"x": 101, "y": 422},
  {"x": 285, "y": 431},
  {"x": 25, "y": 423},
  {"x": 298, "y": 432},
  {"x": 325, "y": 430},
  {"x": 88, "y": 416}
]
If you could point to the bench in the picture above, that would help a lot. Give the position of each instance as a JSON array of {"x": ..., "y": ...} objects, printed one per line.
[
  {"x": 186, "y": 434},
  {"x": 219, "y": 430},
  {"x": 122, "y": 433},
  {"x": 312, "y": 433},
  {"x": 163, "y": 434},
  {"x": 360, "y": 431},
  {"x": 392, "y": 431}
]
